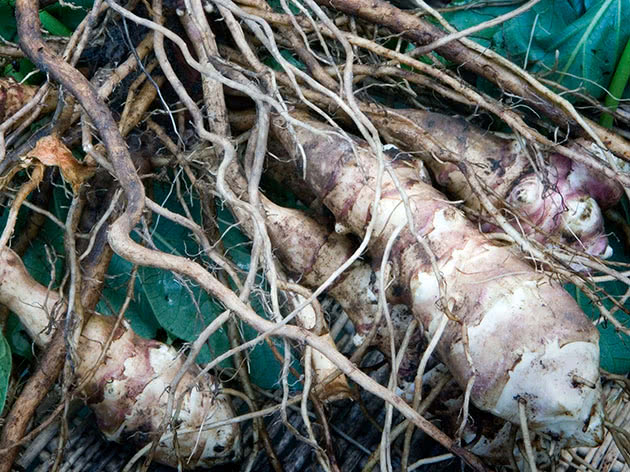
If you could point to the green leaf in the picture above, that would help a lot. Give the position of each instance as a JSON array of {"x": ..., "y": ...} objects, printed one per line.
[
  {"x": 180, "y": 307},
  {"x": 36, "y": 262},
  {"x": 18, "y": 338},
  {"x": 581, "y": 40},
  {"x": 463, "y": 19},
  {"x": 617, "y": 85},
  {"x": 70, "y": 17},
  {"x": 20, "y": 69},
  {"x": 138, "y": 313},
  {"x": 53, "y": 25},
  {"x": 614, "y": 347},
  {"x": 5, "y": 369},
  {"x": 56, "y": 19},
  {"x": 50, "y": 235},
  {"x": 277, "y": 6},
  {"x": 264, "y": 368},
  {"x": 8, "y": 28}
]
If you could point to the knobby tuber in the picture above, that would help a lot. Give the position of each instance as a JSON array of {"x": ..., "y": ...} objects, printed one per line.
[
  {"x": 516, "y": 334},
  {"x": 311, "y": 253},
  {"x": 560, "y": 202},
  {"x": 307, "y": 317},
  {"x": 128, "y": 389},
  {"x": 560, "y": 199}
]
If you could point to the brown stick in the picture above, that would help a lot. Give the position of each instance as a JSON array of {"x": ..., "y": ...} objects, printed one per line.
[{"x": 34, "y": 392}]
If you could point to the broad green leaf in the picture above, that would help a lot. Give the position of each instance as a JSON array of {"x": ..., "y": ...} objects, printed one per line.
[
  {"x": 53, "y": 25},
  {"x": 70, "y": 17},
  {"x": 5, "y": 369},
  {"x": 183, "y": 312},
  {"x": 618, "y": 83},
  {"x": 264, "y": 368},
  {"x": 50, "y": 236},
  {"x": 463, "y": 19},
  {"x": 580, "y": 41},
  {"x": 55, "y": 19},
  {"x": 20, "y": 69},
  {"x": 8, "y": 29},
  {"x": 614, "y": 347},
  {"x": 18, "y": 338},
  {"x": 179, "y": 306},
  {"x": 277, "y": 6},
  {"x": 138, "y": 313}
]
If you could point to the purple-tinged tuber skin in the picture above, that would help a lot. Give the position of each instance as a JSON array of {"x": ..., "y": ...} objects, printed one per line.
[
  {"x": 310, "y": 253},
  {"x": 128, "y": 391},
  {"x": 526, "y": 338},
  {"x": 606, "y": 192},
  {"x": 562, "y": 200},
  {"x": 557, "y": 208}
]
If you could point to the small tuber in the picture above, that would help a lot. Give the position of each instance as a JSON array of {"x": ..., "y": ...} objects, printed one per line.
[{"x": 128, "y": 389}]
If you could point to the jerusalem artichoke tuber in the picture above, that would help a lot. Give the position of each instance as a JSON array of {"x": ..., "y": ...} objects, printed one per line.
[
  {"x": 311, "y": 253},
  {"x": 129, "y": 388},
  {"x": 513, "y": 332},
  {"x": 559, "y": 200}
]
